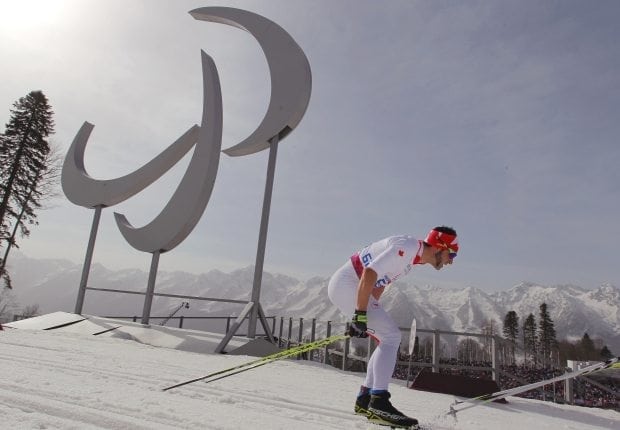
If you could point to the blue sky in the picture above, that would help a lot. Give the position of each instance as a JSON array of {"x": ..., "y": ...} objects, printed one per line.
[{"x": 497, "y": 118}]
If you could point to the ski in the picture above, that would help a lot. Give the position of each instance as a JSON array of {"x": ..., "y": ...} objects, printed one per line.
[
  {"x": 306, "y": 347},
  {"x": 394, "y": 427},
  {"x": 612, "y": 363},
  {"x": 419, "y": 426}
]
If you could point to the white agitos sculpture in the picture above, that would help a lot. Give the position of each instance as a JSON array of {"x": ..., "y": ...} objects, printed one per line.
[
  {"x": 187, "y": 204},
  {"x": 291, "y": 85},
  {"x": 290, "y": 94},
  {"x": 291, "y": 79}
]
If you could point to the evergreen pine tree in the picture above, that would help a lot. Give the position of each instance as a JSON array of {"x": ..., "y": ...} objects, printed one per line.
[
  {"x": 546, "y": 335},
  {"x": 530, "y": 339},
  {"x": 511, "y": 331},
  {"x": 567, "y": 350},
  {"x": 23, "y": 151},
  {"x": 587, "y": 350},
  {"x": 606, "y": 354},
  {"x": 468, "y": 350},
  {"x": 43, "y": 187},
  {"x": 489, "y": 328}
]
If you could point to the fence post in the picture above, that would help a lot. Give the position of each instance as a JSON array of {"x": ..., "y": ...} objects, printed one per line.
[
  {"x": 436, "y": 342},
  {"x": 312, "y": 338},
  {"x": 345, "y": 353},
  {"x": 328, "y": 334},
  {"x": 281, "y": 331},
  {"x": 569, "y": 394},
  {"x": 300, "y": 335},
  {"x": 495, "y": 359},
  {"x": 290, "y": 331}
]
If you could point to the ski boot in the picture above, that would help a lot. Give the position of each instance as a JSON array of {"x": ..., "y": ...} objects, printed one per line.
[
  {"x": 381, "y": 411},
  {"x": 361, "y": 404}
]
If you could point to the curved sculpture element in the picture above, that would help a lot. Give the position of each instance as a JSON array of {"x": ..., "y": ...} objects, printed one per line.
[
  {"x": 185, "y": 207},
  {"x": 291, "y": 79},
  {"x": 83, "y": 190}
]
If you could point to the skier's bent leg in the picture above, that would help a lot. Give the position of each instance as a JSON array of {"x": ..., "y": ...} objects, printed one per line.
[{"x": 383, "y": 359}]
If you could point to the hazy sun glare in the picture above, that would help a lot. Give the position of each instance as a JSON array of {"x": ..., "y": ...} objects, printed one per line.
[{"x": 28, "y": 15}]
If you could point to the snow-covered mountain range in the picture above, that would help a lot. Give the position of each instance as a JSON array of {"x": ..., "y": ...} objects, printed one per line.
[{"x": 53, "y": 285}]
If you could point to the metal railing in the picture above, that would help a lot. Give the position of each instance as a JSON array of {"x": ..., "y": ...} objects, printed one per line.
[
  {"x": 437, "y": 352},
  {"x": 181, "y": 321},
  {"x": 294, "y": 331}
]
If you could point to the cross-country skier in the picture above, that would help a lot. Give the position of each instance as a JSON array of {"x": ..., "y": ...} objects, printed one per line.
[{"x": 355, "y": 289}]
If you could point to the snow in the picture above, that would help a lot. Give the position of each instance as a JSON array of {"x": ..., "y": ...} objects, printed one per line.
[{"x": 59, "y": 379}]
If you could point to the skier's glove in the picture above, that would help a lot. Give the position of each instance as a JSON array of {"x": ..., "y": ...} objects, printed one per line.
[{"x": 358, "y": 326}]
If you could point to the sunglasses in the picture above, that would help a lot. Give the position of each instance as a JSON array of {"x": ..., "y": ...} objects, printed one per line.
[{"x": 451, "y": 254}]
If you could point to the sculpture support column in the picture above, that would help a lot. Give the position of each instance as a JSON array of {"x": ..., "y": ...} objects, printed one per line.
[
  {"x": 79, "y": 304},
  {"x": 262, "y": 236},
  {"x": 150, "y": 289}
]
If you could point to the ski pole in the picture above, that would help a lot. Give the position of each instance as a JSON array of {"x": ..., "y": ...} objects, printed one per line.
[
  {"x": 412, "y": 334},
  {"x": 264, "y": 360},
  {"x": 486, "y": 398},
  {"x": 234, "y": 372}
]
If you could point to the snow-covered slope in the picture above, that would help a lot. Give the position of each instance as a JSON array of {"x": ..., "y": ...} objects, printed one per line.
[{"x": 61, "y": 380}]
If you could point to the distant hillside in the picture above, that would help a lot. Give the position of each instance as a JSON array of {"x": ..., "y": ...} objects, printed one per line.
[{"x": 52, "y": 284}]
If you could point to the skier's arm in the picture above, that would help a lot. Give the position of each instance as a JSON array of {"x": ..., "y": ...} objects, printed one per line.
[{"x": 364, "y": 288}]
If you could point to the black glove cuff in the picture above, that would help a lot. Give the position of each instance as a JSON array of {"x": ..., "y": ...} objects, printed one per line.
[{"x": 360, "y": 316}]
